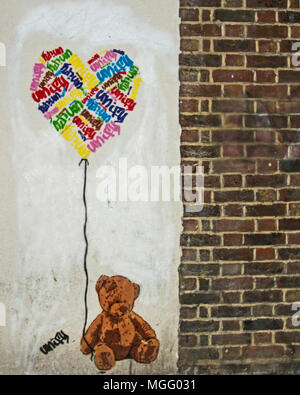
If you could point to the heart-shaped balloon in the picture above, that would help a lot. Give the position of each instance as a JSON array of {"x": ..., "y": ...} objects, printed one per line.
[{"x": 86, "y": 104}]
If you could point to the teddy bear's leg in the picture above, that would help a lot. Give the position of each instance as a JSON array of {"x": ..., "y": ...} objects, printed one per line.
[
  {"x": 104, "y": 357},
  {"x": 146, "y": 351}
]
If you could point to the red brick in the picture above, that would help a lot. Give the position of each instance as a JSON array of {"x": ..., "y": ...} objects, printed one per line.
[
  {"x": 267, "y": 46},
  {"x": 199, "y": 60},
  {"x": 266, "y": 107},
  {"x": 291, "y": 76},
  {"x": 233, "y": 91},
  {"x": 267, "y": 166},
  {"x": 232, "y": 180},
  {"x": 189, "y": 14},
  {"x": 188, "y": 312},
  {"x": 188, "y": 105},
  {"x": 234, "y": 166},
  {"x": 295, "y": 121},
  {"x": 266, "y": 224},
  {"x": 234, "y": 15},
  {"x": 288, "y": 107},
  {"x": 231, "y": 326},
  {"x": 188, "y": 75},
  {"x": 266, "y": 195},
  {"x": 236, "y": 254},
  {"x": 266, "y": 3},
  {"x": 230, "y": 353},
  {"x": 187, "y": 340},
  {"x": 206, "y": 14},
  {"x": 266, "y": 16},
  {"x": 188, "y": 255},
  {"x": 289, "y": 195},
  {"x": 234, "y": 30},
  {"x": 233, "y": 225},
  {"x": 234, "y": 46},
  {"x": 233, "y": 3},
  {"x": 190, "y": 225},
  {"x": 265, "y": 31},
  {"x": 266, "y": 61},
  {"x": 294, "y": 151},
  {"x": 200, "y": 90},
  {"x": 232, "y": 75},
  {"x": 295, "y": 180},
  {"x": 187, "y": 284},
  {"x": 231, "y": 269},
  {"x": 265, "y": 136},
  {"x": 289, "y": 17},
  {"x": 264, "y": 210},
  {"x": 269, "y": 151},
  {"x": 294, "y": 4},
  {"x": 234, "y": 136},
  {"x": 263, "y": 254},
  {"x": 275, "y": 180},
  {"x": 232, "y": 239},
  {"x": 234, "y": 60},
  {"x": 289, "y": 224},
  {"x": 231, "y": 339},
  {"x": 264, "y": 91},
  {"x": 232, "y": 106},
  {"x": 264, "y": 283},
  {"x": 241, "y": 195},
  {"x": 199, "y": 30},
  {"x": 295, "y": 31},
  {"x": 294, "y": 238},
  {"x": 265, "y": 76},
  {"x": 189, "y": 45},
  {"x": 231, "y": 297},
  {"x": 293, "y": 296},
  {"x": 262, "y": 337},
  {"x": 287, "y": 45},
  {"x": 233, "y": 120},
  {"x": 232, "y": 283},
  {"x": 200, "y": 3},
  {"x": 294, "y": 209},
  {"x": 233, "y": 210},
  {"x": 263, "y": 352},
  {"x": 211, "y": 182}
]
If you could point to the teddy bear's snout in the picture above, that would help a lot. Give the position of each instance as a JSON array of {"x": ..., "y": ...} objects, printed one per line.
[
  {"x": 123, "y": 309},
  {"x": 119, "y": 309}
]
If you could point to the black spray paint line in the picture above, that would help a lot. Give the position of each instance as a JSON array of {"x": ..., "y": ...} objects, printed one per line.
[{"x": 86, "y": 163}]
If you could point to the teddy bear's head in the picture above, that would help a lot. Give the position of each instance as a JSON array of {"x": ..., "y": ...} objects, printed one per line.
[{"x": 116, "y": 294}]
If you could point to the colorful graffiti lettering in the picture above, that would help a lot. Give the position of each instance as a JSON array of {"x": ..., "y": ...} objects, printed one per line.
[{"x": 85, "y": 103}]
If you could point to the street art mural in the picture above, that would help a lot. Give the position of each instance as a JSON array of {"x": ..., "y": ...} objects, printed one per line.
[{"x": 86, "y": 107}]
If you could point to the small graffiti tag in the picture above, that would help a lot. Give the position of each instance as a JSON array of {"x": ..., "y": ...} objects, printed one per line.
[{"x": 59, "y": 338}]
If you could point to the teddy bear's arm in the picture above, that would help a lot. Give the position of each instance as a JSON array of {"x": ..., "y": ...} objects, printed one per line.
[
  {"x": 142, "y": 327},
  {"x": 91, "y": 336}
]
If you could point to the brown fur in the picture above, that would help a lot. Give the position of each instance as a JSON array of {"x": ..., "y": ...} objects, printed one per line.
[{"x": 118, "y": 333}]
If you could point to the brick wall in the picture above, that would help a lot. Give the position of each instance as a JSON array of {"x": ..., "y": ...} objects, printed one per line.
[{"x": 240, "y": 114}]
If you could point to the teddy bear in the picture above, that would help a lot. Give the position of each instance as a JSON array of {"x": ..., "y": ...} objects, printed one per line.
[{"x": 118, "y": 333}]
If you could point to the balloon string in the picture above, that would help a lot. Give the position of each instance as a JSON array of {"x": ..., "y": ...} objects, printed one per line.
[{"x": 85, "y": 257}]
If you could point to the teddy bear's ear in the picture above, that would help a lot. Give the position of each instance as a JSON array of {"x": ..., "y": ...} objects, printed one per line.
[
  {"x": 136, "y": 290},
  {"x": 100, "y": 282}
]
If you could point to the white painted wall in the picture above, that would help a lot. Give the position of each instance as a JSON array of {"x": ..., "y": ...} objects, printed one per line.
[{"x": 41, "y": 254}]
